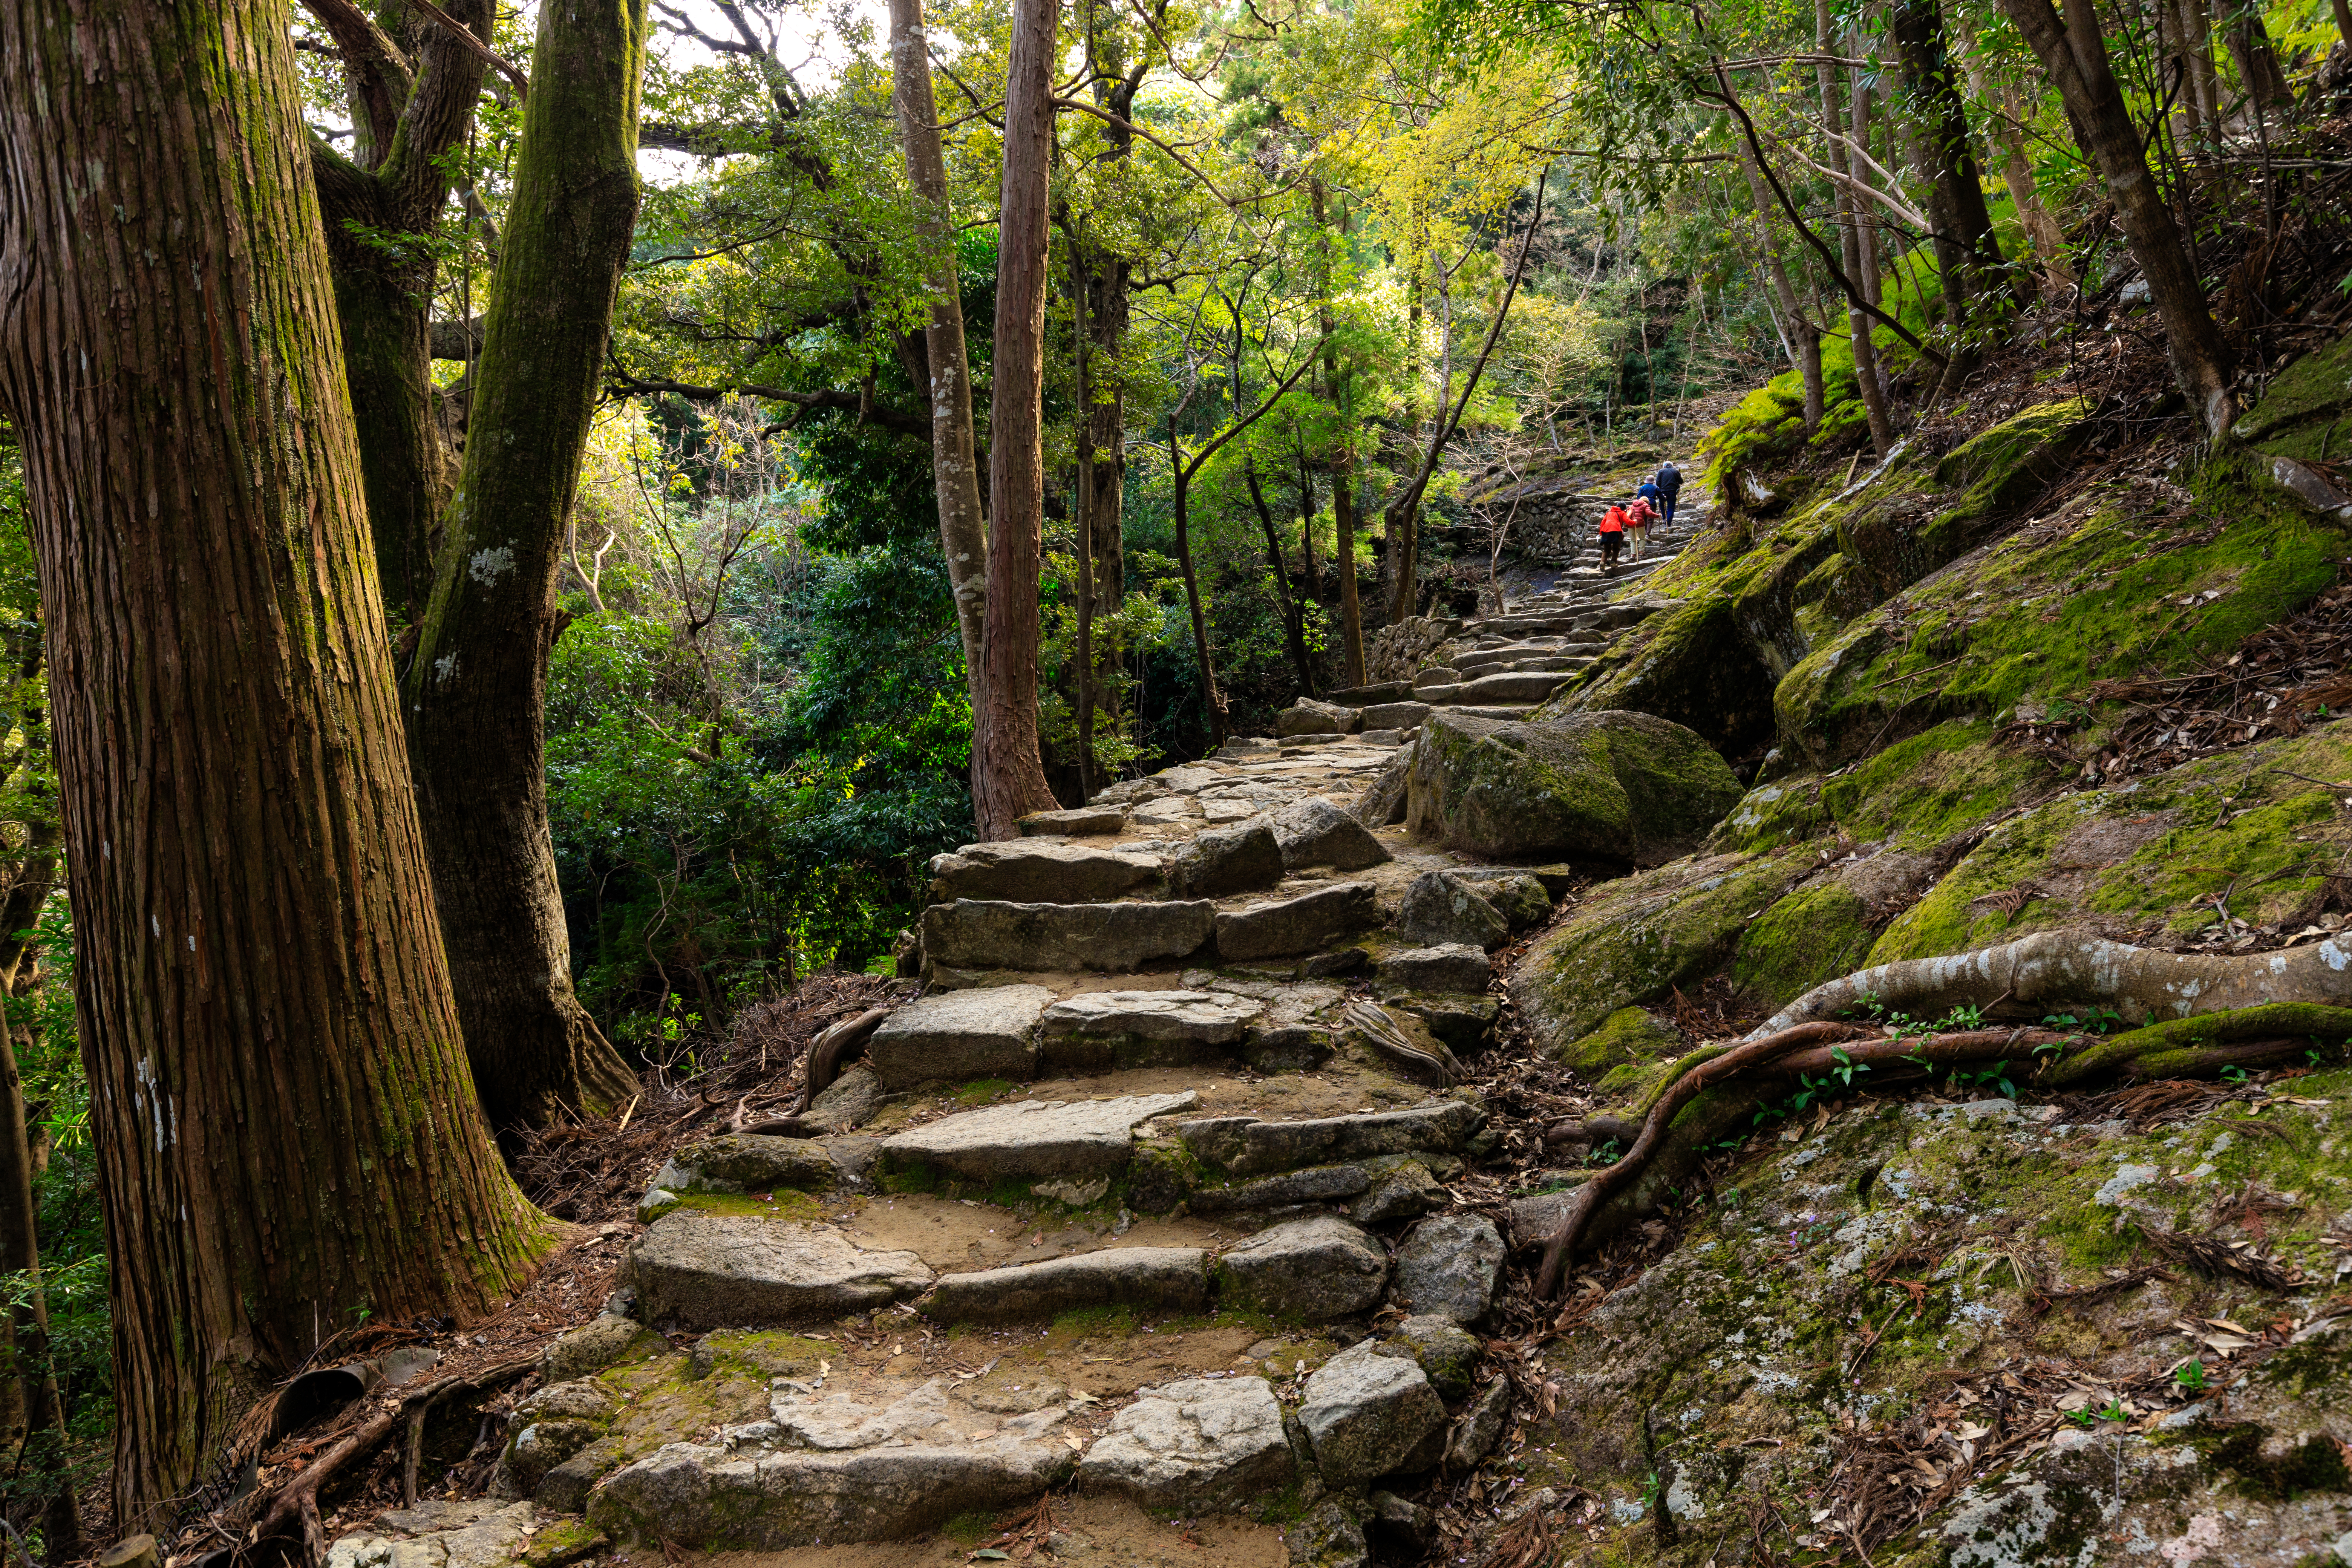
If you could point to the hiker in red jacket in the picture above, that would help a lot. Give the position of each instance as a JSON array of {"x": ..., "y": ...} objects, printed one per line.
[
  {"x": 1612, "y": 536},
  {"x": 1638, "y": 518}
]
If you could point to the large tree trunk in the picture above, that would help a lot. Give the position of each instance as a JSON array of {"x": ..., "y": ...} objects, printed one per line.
[
  {"x": 478, "y": 688},
  {"x": 2075, "y": 56},
  {"x": 2258, "y": 62},
  {"x": 1293, "y": 628},
  {"x": 1008, "y": 779},
  {"x": 381, "y": 206},
  {"x": 2042, "y": 230},
  {"x": 955, "y": 469},
  {"x": 286, "y": 1125},
  {"x": 1805, "y": 347},
  {"x": 1968, "y": 253},
  {"x": 1335, "y": 383}
]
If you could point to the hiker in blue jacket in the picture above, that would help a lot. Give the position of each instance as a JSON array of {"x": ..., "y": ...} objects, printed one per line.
[{"x": 1670, "y": 484}]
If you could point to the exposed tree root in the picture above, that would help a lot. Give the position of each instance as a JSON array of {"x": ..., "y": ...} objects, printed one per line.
[
  {"x": 830, "y": 1049},
  {"x": 2056, "y": 970},
  {"x": 1720, "y": 1089}
]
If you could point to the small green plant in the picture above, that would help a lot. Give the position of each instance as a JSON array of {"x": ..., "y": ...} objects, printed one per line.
[
  {"x": 2115, "y": 1411},
  {"x": 1847, "y": 1067},
  {"x": 2084, "y": 1419},
  {"x": 1966, "y": 1016},
  {"x": 2233, "y": 1073},
  {"x": 1650, "y": 1491},
  {"x": 1604, "y": 1154},
  {"x": 1731, "y": 1197},
  {"x": 2190, "y": 1377}
]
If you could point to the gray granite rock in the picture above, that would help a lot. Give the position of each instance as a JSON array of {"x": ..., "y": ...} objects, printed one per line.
[
  {"x": 1519, "y": 897},
  {"x": 1201, "y": 1445},
  {"x": 1398, "y": 1529},
  {"x": 1280, "y": 927},
  {"x": 1248, "y": 1146},
  {"x": 1462, "y": 1021},
  {"x": 1293, "y": 1049},
  {"x": 484, "y": 1535},
  {"x": 1315, "y": 1269},
  {"x": 1480, "y": 1427},
  {"x": 961, "y": 1034},
  {"x": 1366, "y": 1413},
  {"x": 1443, "y": 909},
  {"x": 1448, "y": 1267},
  {"x": 716, "y": 1271},
  {"x": 837, "y": 1471},
  {"x": 1040, "y": 872},
  {"x": 1402, "y": 1188},
  {"x": 1315, "y": 832},
  {"x": 1451, "y": 966},
  {"x": 1447, "y": 1356},
  {"x": 1149, "y": 1278},
  {"x": 1395, "y": 715},
  {"x": 1382, "y": 801},
  {"x": 1084, "y": 822},
  {"x": 1221, "y": 860},
  {"x": 1191, "y": 1017},
  {"x": 1315, "y": 1185},
  {"x": 748, "y": 1162},
  {"x": 592, "y": 1347},
  {"x": 850, "y": 1100},
  {"x": 971, "y": 933},
  {"x": 1027, "y": 1139},
  {"x": 1331, "y": 1536},
  {"x": 1309, "y": 717}
]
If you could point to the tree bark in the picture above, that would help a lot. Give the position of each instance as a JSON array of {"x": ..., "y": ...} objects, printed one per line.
[
  {"x": 2042, "y": 230},
  {"x": 1967, "y": 252},
  {"x": 1008, "y": 778},
  {"x": 955, "y": 469},
  {"x": 1335, "y": 385},
  {"x": 381, "y": 206},
  {"x": 2075, "y": 56},
  {"x": 477, "y": 690},
  {"x": 2258, "y": 62},
  {"x": 1293, "y": 629},
  {"x": 286, "y": 1125},
  {"x": 1085, "y": 520}
]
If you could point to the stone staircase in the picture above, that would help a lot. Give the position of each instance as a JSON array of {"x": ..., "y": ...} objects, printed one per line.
[
  {"x": 1504, "y": 666},
  {"x": 1180, "y": 1068}
]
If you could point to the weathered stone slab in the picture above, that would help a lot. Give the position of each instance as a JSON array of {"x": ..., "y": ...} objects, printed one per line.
[
  {"x": 1366, "y": 1410},
  {"x": 1200, "y": 1445},
  {"x": 836, "y": 1470},
  {"x": 1040, "y": 873},
  {"x": 1308, "y": 717},
  {"x": 1453, "y": 966},
  {"x": 1367, "y": 696},
  {"x": 1442, "y": 910},
  {"x": 1279, "y": 927},
  {"x": 1226, "y": 859},
  {"x": 1315, "y": 832},
  {"x": 1395, "y": 715},
  {"x": 1032, "y": 1138},
  {"x": 970, "y": 933},
  {"x": 1315, "y": 1269},
  {"x": 1448, "y": 1356},
  {"x": 1247, "y": 1146},
  {"x": 1086, "y": 821},
  {"x": 748, "y": 1162},
  {"x": 1315, "y": 1185},
  {"x": 1519, "y": 897},
  {"x": 1149, "y": 1278},
  {"x": 989, "y": 1031},
  {"x": 1099, "y": 1031},
  {"x": 721, "y": 1271},
  {"x": 1448, "y": 1267}
]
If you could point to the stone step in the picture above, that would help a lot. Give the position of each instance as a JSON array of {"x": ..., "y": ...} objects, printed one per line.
[
  {"x": 1022, "y": 870},
  {"x": 1514, "y": 687},
  {"x": 1027, "y": 1141}
]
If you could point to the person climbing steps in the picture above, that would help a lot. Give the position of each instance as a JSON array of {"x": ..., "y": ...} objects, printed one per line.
[
  {"x": 1670, "y": 485},
  {"x": 1612, "y": 536}
]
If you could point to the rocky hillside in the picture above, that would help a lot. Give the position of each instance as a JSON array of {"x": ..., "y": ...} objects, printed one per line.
[{"x": 1533, "y": 1111}]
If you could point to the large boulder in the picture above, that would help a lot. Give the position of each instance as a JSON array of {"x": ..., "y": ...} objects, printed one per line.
[
  {"x": 1222, "y": 860},
  {"x": 1603, "y": 786}
]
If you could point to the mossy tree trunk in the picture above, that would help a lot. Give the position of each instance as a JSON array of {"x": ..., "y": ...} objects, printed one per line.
[
  {"x": 1850, "y": 219},
  {"x": 286, "y": 1125},
  {"x": 1967, "y": 254},
  {"x": 1008, "y": 776},
  {"x": 379, "y": 207},
  {"x": 955, "y": 470},
  {"x": 477, "y": 689},
  {"x": 2074, "y": 53}
]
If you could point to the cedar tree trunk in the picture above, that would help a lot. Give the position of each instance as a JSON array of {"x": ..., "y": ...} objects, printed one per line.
[
  {"x": 1865, "y": 348},
  {"x": 1968, "y": 253},
  {"x": 478, "y": 688},
  {"x": 1008, "y": 779},
  {"x": 287, "y": 1128},
  {"x": 1806, "y": 348}
]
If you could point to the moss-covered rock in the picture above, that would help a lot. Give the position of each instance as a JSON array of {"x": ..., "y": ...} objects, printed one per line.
[
  {"x": 2303, "y": 414},
  {"x": 1634, "y": 939},
  {"x": 1816, "y": 933},
  {"x": 2026, "y": 625},
  {"x": 2147, "y": 861},
  {"x": 1592, "y": 787},
  {"x": 1690, "y": 665},
  {"x": 1629, "y": 1036}
]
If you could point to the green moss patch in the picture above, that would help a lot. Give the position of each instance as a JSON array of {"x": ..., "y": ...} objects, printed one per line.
[
  {"x": 1629, "y": 1036},
  {"x": 1816, "y": 933}
]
